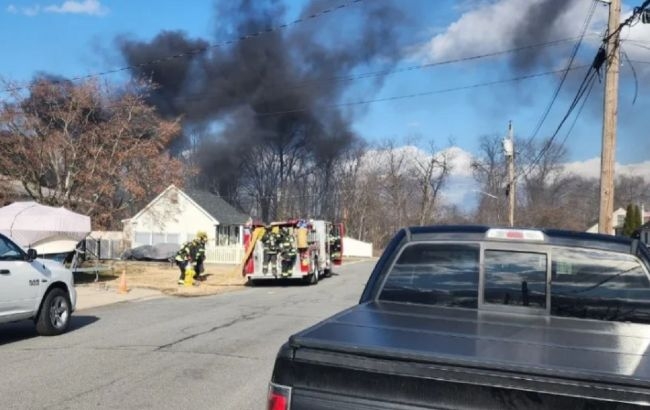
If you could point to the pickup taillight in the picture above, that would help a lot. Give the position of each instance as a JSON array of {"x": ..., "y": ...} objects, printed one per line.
[{"x": 279, "y": 397}]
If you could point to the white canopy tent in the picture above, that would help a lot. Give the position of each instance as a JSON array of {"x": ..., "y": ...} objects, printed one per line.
[{"x": 47, "y": 229}]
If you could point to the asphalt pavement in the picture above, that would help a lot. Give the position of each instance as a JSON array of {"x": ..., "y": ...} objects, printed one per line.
[
  {"x": 161, "y": 352},
  {"x": 93, "y": 295}
]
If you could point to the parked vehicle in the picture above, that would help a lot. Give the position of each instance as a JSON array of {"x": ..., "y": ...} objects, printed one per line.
[
  {"x": 38, "y": 289},
  {"x": 474, "y": 317},
  {"x": 306, "y": 250}
]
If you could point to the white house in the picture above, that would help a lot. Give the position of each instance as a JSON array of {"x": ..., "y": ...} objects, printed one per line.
[
  {"x": 175, "y": 216},
  {"x": 618, "y": 219}
]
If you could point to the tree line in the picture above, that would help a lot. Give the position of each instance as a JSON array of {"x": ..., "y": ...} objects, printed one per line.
[{"x": 103, "y": 151}]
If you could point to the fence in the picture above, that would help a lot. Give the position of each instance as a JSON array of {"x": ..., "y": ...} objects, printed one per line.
[
  {"x": 224, "y": 254},
  {"x": 109, "y": 245},
  {"x": 104, "y": 248}
]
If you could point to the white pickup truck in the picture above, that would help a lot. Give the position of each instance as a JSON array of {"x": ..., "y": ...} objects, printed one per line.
[{"x": 37, "y": 289}]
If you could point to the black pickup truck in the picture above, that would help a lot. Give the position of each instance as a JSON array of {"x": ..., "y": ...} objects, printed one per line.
[{"x": 472, "y": 317}]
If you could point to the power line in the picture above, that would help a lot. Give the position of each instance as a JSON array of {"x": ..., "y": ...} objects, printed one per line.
[
  {"x": 200, "y": 50},
  {"x": 422, "y": 94},
  {"x": 586, "y": 84},
  {"x": 544, "y": 116},
  {"x": 371, "y": 74},
  {"x": 640, "y": 45},
  {"x": 582, "y": 106},
  {"x": 629, "y": 21},
  {"x": 393, "y": 98}
]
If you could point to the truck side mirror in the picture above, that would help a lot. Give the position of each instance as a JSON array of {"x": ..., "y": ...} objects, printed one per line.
[{"x": 31, "y": 254}]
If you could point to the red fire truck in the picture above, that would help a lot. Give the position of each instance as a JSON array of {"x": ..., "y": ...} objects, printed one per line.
[{"x": 317, "y": 247}]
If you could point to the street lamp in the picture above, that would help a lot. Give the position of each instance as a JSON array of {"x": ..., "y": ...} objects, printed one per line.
[
  {"x": 493, "y": 197},
  {"x": 485, "y": 193}
]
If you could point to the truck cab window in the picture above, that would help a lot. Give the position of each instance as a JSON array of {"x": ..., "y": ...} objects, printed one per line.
[
  {"x": 515, "y": 278},
  {"x": 435, "y": 274},
  {"x": 599, "y": 285}
]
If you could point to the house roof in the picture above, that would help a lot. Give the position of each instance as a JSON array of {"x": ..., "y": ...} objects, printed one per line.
[
  {"x": 217, "y": 207},
  {"x": 212, "y": 205}
]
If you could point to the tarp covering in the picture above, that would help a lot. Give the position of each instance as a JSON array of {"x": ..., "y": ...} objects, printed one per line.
[
  {"x": 30, "y": 223},
  {"x": 157, "y": 252}
]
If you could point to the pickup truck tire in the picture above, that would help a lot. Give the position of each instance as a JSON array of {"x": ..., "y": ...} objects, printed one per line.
[{"x": 54, "y": 316}]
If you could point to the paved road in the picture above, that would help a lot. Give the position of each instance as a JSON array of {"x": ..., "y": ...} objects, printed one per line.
[{"x": 190, "y": 353}]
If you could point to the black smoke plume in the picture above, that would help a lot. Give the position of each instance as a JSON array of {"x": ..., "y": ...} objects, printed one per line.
[{"x": 273, "y": 87}]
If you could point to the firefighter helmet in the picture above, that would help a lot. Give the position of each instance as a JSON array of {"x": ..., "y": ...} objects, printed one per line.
[{"x": 202, "y": 236}]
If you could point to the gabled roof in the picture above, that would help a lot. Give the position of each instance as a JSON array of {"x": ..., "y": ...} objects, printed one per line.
[
  {"x": 212, "y": 205},
  {"x": 217, "y": 207}
]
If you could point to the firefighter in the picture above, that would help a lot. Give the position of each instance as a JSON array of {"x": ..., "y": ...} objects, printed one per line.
[
  {"x": 271, "y": 241},
  {"x": 183, "y": 258},
  {"x": 335, "y": 244},
  {"x": 288, "y": 247},
  {"x": 199, "y": 251},
  {"x": 192, "y": 252}
]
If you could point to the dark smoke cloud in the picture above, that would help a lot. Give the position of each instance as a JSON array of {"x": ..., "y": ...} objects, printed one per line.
[
  {"x": 538, "y": 24},
  {"x": 278, "y": 71}
]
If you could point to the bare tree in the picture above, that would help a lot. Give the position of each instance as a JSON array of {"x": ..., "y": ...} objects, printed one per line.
[
  {"x": 431, "y": 173},
  {"x": 631, "y": 190},
  {"x": 88, "y": 147},
  {"x": 489, "y": 171}
]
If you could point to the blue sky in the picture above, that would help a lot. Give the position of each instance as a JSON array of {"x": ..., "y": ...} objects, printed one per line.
[{"x": 74, "y": 38}]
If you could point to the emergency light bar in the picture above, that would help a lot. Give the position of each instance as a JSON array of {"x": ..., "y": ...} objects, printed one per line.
[{"x": 520, "y": 234}]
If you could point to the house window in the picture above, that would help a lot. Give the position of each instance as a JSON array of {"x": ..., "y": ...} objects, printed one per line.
[
  {"x": 157, "y": 237},
  {"x": 227, "y": 235},
  {"x": 620, "y": 220}
]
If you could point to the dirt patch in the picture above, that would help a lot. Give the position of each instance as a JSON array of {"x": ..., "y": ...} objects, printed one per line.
[{"x": 163, "y": 277}]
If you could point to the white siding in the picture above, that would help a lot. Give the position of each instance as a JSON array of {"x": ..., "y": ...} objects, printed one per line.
[{"x": 173, "y": 217}]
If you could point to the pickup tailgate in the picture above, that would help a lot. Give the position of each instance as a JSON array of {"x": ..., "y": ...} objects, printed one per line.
[{"x": 416, "y": 356}]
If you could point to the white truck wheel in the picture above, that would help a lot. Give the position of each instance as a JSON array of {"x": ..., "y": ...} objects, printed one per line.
[{"x": 54, "y": 316}]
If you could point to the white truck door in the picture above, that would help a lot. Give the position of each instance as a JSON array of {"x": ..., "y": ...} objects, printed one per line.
[{"x": 19, "y": 280}]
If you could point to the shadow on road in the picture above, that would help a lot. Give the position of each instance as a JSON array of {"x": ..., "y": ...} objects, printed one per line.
[
  {"x": 25, "y": 329},
  {"x": 284, "y": 283}
]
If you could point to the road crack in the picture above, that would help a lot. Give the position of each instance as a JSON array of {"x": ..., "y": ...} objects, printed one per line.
[{"x": 233, "y": 322}]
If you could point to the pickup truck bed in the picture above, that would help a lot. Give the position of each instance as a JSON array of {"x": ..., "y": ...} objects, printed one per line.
[
  {"x": 482, "y": 318},
  {"x": 383, "y": 342}
]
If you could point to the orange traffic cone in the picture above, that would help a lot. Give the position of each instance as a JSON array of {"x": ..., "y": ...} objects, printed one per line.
[{"x": 122, "y": 288}]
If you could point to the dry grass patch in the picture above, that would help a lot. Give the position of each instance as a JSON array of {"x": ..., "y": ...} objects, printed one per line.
[{"x": 163, "y": 276}]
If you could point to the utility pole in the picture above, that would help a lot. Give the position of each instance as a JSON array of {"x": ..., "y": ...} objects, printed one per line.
[
  {"x": 610, "y": 107},
  {"x": 509, "y": 150}
]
